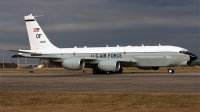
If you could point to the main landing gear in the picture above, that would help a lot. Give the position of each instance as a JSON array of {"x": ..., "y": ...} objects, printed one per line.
[
  {"x": 171, "y": 70},
  {"x": 97, "y": 71}
]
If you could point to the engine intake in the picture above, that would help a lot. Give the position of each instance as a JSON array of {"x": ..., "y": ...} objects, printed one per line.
[
  {"x": 109, "y": 66},
  {"x": 73, "y": 64}
]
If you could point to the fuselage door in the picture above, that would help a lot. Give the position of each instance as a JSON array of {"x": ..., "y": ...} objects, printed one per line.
[
  {"x": 124, "y": 54},
  {"x": 175, "y": 59}
]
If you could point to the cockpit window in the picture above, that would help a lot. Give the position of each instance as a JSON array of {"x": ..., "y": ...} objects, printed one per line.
[{"x": 184, "y": 52}]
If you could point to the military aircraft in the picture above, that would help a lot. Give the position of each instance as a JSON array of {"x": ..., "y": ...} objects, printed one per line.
[{"x": 103, "y": 59}]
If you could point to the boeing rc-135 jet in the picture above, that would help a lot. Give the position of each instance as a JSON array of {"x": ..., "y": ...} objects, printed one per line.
[{"x": 102, "y": 59}]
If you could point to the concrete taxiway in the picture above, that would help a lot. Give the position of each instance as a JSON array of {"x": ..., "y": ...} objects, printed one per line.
[{"x": 138, "y": 83}]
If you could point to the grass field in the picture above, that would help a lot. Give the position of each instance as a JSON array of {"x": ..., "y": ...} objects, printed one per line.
[
  {"x": 97, "y": 102},
  {"x": 125, "y": 70},
  {"x": 100, "y": 102}
]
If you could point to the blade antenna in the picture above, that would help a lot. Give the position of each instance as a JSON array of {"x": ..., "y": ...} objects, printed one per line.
[{"x": 38, "y": 16}]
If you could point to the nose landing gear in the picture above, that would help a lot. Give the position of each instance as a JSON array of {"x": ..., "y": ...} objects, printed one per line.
[{"x": 171, "y": 70}]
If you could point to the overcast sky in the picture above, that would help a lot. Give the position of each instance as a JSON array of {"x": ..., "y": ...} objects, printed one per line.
[{"x": 99, "y": 23}]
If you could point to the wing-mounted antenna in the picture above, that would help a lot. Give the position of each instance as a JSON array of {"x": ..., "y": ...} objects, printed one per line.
[
  {"x": 35, "y": 16},
  {"x": 38, "y": 16}
]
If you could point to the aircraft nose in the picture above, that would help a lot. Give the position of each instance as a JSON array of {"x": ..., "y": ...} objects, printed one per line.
[{"x": 192, "y": 58}]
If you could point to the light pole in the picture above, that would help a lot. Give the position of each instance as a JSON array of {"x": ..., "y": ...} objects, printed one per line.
[
  {"x": 18, "y": 60},
  {"x": 3, "y": 61}
]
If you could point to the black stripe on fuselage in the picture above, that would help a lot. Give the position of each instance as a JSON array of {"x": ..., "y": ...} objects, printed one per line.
[
  {"x": 126, "y": 52},
  {"x": 30, "y": 20}
]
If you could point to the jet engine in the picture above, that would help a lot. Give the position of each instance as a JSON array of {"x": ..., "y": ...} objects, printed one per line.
[
  {"x": 73, "y": 64},
  {"x": 109, "y": 66}
]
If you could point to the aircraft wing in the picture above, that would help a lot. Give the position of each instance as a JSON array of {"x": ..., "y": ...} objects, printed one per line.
[
  {"x": 120, "y": 60},
  {"x": 123, "y": 62},
  {"x": 33, "y": 54}
]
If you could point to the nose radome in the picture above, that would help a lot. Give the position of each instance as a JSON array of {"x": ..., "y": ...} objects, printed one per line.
[{"x": 193, "y": 57}]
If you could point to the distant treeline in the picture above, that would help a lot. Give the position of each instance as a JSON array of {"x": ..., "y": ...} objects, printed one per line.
[
  {"x": 195, "y": 63},
  {"x": 8, "y": 65}
]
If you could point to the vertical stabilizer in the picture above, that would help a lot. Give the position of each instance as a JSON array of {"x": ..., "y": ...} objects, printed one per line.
[{"x": 37, "y": 38}]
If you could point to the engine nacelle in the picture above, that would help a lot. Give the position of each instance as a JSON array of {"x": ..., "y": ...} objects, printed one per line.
[
  {"x": 73, "y": 64},
  {"x": 109, "y": 66}
]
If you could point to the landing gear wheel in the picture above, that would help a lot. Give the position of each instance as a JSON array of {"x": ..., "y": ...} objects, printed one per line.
[
  {"x": 111, "y": 72},
  {"x": 120, "y": 70},
  {"x": 103, "y": 72},
  {"x": 171, "y": 71},
  {"x": 95, "y": 71}
]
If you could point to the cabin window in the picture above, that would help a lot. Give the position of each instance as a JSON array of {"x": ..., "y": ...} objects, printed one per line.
[{"x": 184, "y": 52}]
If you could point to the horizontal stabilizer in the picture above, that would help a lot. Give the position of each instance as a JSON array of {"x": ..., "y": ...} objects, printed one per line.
[
  {"x": 18, "y": 56},
  {"x": 20, "y": 51}
]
